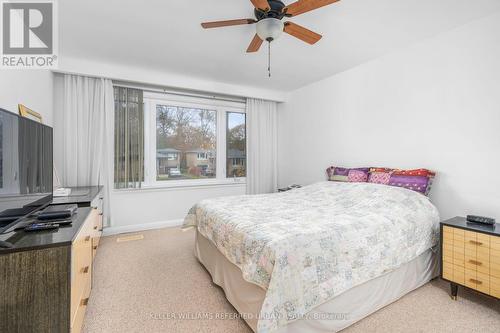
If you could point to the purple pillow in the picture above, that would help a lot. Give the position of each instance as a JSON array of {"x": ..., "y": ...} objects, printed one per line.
[
  {"x": 347, "y": 174},
  {"x": 415, "y": 183}
]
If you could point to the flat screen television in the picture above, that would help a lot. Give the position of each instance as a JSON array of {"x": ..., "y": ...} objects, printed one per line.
[{"x": 26, "y": 171}]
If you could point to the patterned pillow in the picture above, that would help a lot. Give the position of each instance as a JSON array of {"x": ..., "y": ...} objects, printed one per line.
[
  {"x": 380, "y": 175},
  {"x": 357, "y": 176},
  {"x": 419, "y": 180},
  {"x": 347, "y": 175}
]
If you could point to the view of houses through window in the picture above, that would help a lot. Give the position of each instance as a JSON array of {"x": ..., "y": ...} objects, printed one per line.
[
  {"x": 162, "y": 138},
  {"x": 185, "y": 143},
  {"x": 236, "y": 144}
]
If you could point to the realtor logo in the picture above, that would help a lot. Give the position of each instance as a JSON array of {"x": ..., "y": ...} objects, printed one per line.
[{"x": 28, "y": 34}]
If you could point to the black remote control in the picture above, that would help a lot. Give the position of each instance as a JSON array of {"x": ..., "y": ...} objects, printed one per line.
[
  {"x": 41, "y": 226},
  {"x": 480, "y": 219}
]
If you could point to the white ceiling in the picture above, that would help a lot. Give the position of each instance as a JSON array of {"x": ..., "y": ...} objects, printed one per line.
[{"x": 166, "y": 35}]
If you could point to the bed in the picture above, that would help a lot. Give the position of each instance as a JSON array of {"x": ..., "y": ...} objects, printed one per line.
[{"x": 319, "y": 258}]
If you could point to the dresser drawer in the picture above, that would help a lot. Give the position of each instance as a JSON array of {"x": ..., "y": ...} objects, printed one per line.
[
  {"x": 79, "y": 316},
  {"x": 447, "y": 230},
  {"x": 495, "y": 286},
  {"x": 483, "y": 282},
  {"x": 81, "y": 270},
  {"x": 97, "y": 232},
  {"x": 459, "y": 275},
  {"x": 495, "y": 263},
  {"x": 447, "y": 271}
]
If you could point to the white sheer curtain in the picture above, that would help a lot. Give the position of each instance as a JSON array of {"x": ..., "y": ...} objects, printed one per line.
[
  {"x": 261, "y": 146},
  {"x": 87, "y": 133}
]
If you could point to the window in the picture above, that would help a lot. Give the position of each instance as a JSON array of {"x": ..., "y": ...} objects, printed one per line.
[
  {"x": 236, "y": 144},
  {"x": 187, "y": 132},
  {"x": 186, "y": 140},
  {"x": 172, "y": 157},
  {"x": 202, "y": 156},
  {"x": 238, "y": 162},
  {"x": 129, "y": 138}
]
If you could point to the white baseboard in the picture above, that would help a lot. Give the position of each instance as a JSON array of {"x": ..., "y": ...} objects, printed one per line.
[{"x": 141, "y": 227}]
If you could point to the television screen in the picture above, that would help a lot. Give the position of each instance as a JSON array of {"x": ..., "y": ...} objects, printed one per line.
[{"x": 25, "y": 167}]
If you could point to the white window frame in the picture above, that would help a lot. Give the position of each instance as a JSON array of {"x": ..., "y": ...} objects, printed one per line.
[
  {"x": 239, "y": 162},
  {"x": 151, "y": 99}
]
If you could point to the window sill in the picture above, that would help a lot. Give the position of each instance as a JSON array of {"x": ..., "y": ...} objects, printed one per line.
[{"x": 186, "y": 184}]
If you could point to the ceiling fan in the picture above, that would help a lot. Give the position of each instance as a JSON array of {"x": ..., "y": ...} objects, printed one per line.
[{"x": 269, "y": 15}]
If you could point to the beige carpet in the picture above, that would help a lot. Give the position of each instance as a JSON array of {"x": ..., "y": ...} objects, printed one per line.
[{"x": 140, "y": 285}]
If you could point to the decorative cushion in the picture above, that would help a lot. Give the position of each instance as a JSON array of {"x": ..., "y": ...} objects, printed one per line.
[
  {"x": 378, "y": 177},
  {"x": 416, "y": 172},
  {"x": 357, "y": 176},
  {"x": 347, "y": 175},
  {"x": 419, "y": 180}
]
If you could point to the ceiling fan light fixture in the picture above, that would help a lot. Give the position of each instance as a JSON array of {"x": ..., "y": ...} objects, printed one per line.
[{"x": 270, "y": 29}]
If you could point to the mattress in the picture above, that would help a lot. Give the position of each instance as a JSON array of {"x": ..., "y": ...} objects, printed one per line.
[
  {"x": 332, "y": 316},
  {"x": 307, "y": 246}
]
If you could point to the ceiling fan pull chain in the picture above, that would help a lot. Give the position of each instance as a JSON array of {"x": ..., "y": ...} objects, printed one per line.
[{"x": 269, "y": 59}]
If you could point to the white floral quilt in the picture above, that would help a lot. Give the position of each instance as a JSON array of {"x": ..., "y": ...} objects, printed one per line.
[{"x": 308, "y": 245}]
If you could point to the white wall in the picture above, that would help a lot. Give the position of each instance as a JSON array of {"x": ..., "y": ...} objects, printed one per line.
[
  {"x": 162, "y": 206},
  {"x": 434, "y": 105},
  {"x": 32, "y": 88}
]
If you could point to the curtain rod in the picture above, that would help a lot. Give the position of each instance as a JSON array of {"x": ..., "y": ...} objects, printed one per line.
[
  {"x": 179, "y": 92},
  {"x": 157, "y": 88}
]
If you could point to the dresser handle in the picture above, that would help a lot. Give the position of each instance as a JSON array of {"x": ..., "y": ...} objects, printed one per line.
[
  {"x": 475, "y": 242},
  {"x": 95, "y": 227},
  {"x": 84, "y": 302},
  {"x": 95, "y": 247},
  {"x": 85, "y": 269},
  {"x": 475, "y": 281},
  {"x": 474, "y": 262}
]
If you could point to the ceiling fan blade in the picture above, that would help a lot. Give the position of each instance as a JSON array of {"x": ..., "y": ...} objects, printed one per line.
[
  {"x": 255, "y": 44},
  {"x": 304, "y": 6},
  {"x": 302, "y": 33},
  {"x": 261, "y": 4},
  {"x": 217, "y": 24}
]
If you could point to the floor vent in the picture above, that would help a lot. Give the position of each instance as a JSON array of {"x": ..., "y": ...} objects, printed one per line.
[{"x": 130, "y": 238}]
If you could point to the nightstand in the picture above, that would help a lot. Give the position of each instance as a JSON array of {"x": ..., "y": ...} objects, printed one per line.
[{"x": 470, "y": 256}]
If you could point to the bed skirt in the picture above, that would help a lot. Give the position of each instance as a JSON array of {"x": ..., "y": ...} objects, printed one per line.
[{"x": 332, "y": 316}]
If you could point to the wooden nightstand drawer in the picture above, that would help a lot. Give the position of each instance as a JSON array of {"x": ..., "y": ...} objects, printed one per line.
[
  {"x": 494, "y": 285},
  {"x": 448, "y": 235},
  {"x": 483, "y": 284},
  {"x": 477, "y": 281},
  {"x": 459, "y": 274},
  {"x": 448, "y": 271},
  {"x": 448, "y": 255},
  {"x": 495, "y": 243},
  {"x": 495, "y": 263},
  {"x": 471, "y": 256}
]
